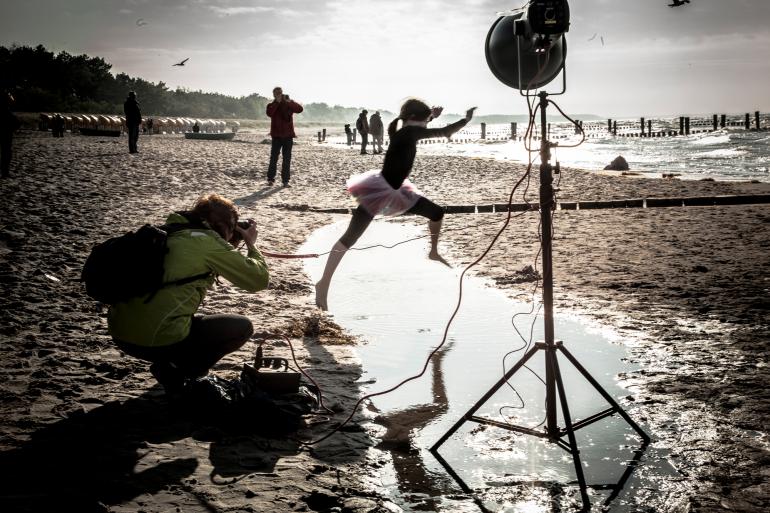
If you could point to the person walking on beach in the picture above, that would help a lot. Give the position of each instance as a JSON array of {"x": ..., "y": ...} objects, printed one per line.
[
  {"x": 133, "y": 120},
  {"x": 281, "y": 112},
  {"x": 362, "y": 125},
  {"x": 389, "y": 191},
  {"x": 164, "y": 328},
  {"x": 377, "y": 131},
  {"x": 8, "y": 125}
]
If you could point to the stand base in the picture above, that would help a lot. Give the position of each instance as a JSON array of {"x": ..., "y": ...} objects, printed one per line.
[{"x": 553, "y": 433}]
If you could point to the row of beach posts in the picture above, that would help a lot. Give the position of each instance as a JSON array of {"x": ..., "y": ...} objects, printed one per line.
[
  {"x": 160, "y": 125},
  {"x": 644, "y": 128}
]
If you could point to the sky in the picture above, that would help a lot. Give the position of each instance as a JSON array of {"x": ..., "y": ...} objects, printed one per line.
[{"x": 707, "y": 57}]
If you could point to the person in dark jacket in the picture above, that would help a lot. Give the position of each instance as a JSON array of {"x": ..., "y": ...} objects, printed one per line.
[
  {"x": 362, "y": 125},
  {"x": 377, "y": 131},
  {"x": 133, "y": 120},
  {"x": 349, "y": 134},
  {"x": 8, "y": 125},
  {"x": 281, "y": 111}
]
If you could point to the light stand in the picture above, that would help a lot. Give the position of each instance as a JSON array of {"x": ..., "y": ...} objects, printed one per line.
[{"x": 552, "y": 348}]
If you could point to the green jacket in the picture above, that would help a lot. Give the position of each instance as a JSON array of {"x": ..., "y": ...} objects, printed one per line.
[{"x": 166, "y": 318}]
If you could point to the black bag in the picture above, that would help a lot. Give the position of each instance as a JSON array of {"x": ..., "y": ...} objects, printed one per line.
[{"x": 131, "y": 265}]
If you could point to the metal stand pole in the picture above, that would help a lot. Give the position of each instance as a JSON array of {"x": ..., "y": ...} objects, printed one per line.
[{"x": 551, "y": 347}]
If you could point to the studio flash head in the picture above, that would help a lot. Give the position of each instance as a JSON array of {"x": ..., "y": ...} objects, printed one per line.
[{"x": 527, "y": 49}]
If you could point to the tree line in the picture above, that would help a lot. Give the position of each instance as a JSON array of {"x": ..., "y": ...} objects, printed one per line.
[{"x": 42, "y": 81}]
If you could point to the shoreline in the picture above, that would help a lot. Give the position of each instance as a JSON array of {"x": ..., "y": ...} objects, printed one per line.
[{"x": 687, "y": 285}]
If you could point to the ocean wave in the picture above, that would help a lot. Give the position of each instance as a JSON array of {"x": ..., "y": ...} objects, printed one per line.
[
  {"x": 711, "y": 140},
  {"x": 725, "y": 153}
]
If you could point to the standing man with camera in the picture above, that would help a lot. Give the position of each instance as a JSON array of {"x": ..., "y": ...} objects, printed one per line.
[
  {"x": 133, "y": 120},
  {"x": 281, "y": 111}
]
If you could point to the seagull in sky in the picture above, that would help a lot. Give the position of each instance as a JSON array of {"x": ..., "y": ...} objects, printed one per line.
[
  {"x": 140, "y": 22},
  {"x": 181, "y": 63},
  {"x": 677, "y": 3},
  {"x": 592, "y": 37},
  {"x": 602, "y": 39}
]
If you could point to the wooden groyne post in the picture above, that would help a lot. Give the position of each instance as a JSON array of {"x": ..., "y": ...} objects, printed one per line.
[
  {"x": 641, "y": 134},
  {"x": 687, "y": 125},
  {"x": 319, "y": 136},
  {"x": 513, "y": 131},
  {"x": 747, "y": 123},
  {"x": 324, "y": 135},
  {"x": 715, "y": 122},
  {"x": 756, "y": 119},
  {"x": 609, "y": 125},
  {"x": 649, "y": 128},
  {"x": 355, "y": 132},
  {"x": 723, "y": 121},
  {"x": 483, "y": 130},
  {"x": 614, "y": 128},
  {"x": 681, "y": 125}
]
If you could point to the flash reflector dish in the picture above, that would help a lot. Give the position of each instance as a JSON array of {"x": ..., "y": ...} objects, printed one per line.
[{"x": 515, "y": 60}]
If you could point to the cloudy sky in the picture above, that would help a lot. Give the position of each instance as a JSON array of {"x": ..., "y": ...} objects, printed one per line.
[{"x": 710, "y": 56}]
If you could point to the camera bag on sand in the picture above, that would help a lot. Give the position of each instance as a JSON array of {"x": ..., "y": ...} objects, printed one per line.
[{"x": 131, "y": 265}]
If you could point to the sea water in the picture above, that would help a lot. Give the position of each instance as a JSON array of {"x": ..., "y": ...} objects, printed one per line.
[
  {"x": 727, "y": 154},
  {"x": 399, "y": 303}
]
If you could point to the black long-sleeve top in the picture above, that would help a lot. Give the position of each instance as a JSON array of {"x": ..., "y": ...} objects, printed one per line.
[{"x": 403, "y": 147}]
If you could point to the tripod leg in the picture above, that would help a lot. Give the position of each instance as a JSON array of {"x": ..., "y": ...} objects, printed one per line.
[
  {"x": 607, "y": 397},
  {"x": 570, "y": 433},
  {"x": 484, "y": 399}
]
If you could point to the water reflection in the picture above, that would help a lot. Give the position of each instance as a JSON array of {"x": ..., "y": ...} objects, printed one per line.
[{"x": 399, "y": 303}]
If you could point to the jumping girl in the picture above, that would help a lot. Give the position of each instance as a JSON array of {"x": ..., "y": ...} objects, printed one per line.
[{"x": 389, "y": 192}]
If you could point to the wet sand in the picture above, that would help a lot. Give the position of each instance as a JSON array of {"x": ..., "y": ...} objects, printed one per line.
[{"x": 84, "y": 425}]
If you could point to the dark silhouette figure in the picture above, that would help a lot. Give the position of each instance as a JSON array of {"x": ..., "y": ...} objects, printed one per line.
[
  {"x": 281, "y": 111},
  {"x": 133, "y": 120},
  {"x": 196, "y": 127},
  {"x": 149, "y": 126},
  {"x": 8, "y": 125},
  {"x": 349, "y": 134},
  {"x": 677, "y": 3},
  {"x": 181, "y": 63},
  {"x": 362, "y": 125},
  {"x": 377, "y": 130},
  {"x": 57, "y": 126}
]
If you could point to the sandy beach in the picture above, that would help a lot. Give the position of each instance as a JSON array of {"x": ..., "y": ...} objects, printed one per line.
[{"x": 86, "y": 428}]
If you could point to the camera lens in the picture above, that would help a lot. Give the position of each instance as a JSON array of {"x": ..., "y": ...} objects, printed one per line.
[{"x": 550, "y": 14}]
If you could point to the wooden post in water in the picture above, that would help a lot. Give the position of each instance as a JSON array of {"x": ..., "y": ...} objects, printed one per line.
[
  {"x": 687, "y": 125},
  {"x": 483, "y": 130},
  {"x": 756, "y": 119},
  {"x": 715, "y": 122},
  {"x": 747, "y": 123},
  {"x": 513, "y": 131},
  {"x": 319, "y": 136},
  {"x": 723, "y": 121},
  {"x": 649, "y": 128},
  {"x": 324, "y": 134},
  {"x": 355, "y": 132},
  {"x": 642, "y": 132},
  {"x": 609, "y": 125},
  {"x": 615, "y": 128},
  {"x": 681, "y": 125}
]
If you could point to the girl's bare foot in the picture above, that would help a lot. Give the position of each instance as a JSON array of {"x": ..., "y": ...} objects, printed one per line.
[
  {"x": 320, "y": 296},
  {"x": 433, "y": 255}
]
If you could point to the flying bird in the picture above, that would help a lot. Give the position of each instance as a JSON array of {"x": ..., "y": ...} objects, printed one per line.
[
  {"x": 182, "y": 63},
  {"x": 602, "y": 39},
  {"x": 677, "y": 3},
  {"x": 140, "y": 22},
  {"x": 592, "y": 37}
]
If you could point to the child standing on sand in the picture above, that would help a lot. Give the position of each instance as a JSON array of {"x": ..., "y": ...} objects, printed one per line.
[{"x": 389, "y": 191}]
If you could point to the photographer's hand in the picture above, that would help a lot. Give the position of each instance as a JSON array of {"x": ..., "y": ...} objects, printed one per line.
[{"x": 249, "y": 234}]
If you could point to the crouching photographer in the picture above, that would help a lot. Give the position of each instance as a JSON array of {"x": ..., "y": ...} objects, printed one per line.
[{"x": 162, "y": 327}]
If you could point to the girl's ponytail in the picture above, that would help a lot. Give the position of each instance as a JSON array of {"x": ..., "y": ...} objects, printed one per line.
[{"x": 392, "y": 127}]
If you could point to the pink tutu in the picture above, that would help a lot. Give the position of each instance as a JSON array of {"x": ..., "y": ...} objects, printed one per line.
[{"x": 375, "y": 194}]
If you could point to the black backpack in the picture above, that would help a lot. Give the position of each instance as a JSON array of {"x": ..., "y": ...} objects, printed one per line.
[{"x": 131, "y": 265}]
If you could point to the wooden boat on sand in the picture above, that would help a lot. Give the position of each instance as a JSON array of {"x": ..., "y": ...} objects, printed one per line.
[{"x": 210, "y": 136}]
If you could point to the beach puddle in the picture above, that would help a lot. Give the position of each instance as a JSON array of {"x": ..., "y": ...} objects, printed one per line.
[{"x": 398, "y": 302}]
